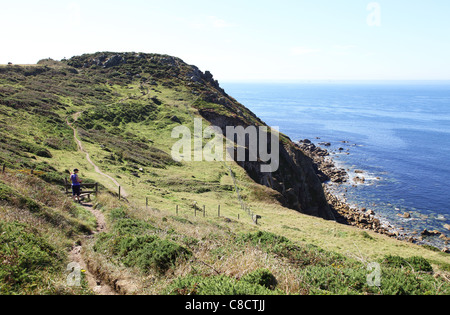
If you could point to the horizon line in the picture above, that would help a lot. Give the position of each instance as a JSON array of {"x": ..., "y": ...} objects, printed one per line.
[
  {"x": 330, "y": 80},
  {"x": 303, "y": 81}
]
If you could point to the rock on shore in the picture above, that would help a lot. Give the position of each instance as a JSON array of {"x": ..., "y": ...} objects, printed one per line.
[
  {"x": 364, "y": 219},
  {"x": 325, "y": 168},
  {"x": 361, "y": 218},
  {"x": 344, "y": 213}
]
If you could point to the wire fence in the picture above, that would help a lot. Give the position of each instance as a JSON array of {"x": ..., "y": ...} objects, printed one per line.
[
  {"x": 23, "y": 171},
  {"x": 203, "y": 211},
  {"x": 246, "y": 208}
]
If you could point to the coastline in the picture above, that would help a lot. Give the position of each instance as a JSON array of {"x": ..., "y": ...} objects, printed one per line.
[{"x": 333, "y": 177}]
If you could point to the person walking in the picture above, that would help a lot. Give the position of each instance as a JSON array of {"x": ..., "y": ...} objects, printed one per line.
[{"x": 76, "y": 185}]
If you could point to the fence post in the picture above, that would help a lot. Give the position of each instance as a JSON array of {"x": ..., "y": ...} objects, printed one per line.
[
  {"x": 3, "y": 169},
  {"x": 119, "y": 192},
  {"x": 218, "y": 211},
  {"x": 146, "y": 203},
  {"x": 177, "y": 210},
  {"x": 65, "y": 185},
  {"x": 204, "y": 211}
]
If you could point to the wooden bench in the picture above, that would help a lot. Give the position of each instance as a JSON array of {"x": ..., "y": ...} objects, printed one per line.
[{"x": 93, "y": 187}]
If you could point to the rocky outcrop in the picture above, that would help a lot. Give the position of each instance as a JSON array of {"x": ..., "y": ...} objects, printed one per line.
[
  {"x": 325, "y": 168},
  {"x": 197, "y": 76},
  {"x": 295, "y": 180},
  {"x": 104, "y": 60},
  {"x": 113, "y": 61},
  {"x": 361, "y": 218}
]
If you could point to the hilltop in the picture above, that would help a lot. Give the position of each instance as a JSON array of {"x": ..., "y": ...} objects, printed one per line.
[{"x": 121, "y": 108}]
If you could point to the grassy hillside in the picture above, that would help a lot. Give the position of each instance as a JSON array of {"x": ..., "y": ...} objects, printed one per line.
[{"x": 123, "y": 108}]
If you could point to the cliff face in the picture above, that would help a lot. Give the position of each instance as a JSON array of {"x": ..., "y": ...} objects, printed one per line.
[{"x": 295, "y": 179}]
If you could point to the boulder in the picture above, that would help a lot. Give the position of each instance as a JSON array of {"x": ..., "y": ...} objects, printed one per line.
[
  {"x": 113, "y": 61},
  {"x": 175, "y": 119},
  {"x": 430, "y": 233}
]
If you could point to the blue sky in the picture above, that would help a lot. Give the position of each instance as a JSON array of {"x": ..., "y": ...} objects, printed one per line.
[{"x": 246, "y": 40}]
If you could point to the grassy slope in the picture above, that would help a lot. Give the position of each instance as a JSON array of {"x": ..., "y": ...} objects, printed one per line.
[
  {"x": 37, "y": 230},
  {"x": 211, "y": 240}
]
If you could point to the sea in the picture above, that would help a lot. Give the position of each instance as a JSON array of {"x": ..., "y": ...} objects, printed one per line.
[{"x": 395, "y": 135}]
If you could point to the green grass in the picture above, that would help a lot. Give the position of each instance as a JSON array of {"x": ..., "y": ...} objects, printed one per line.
[{"x": 125, "y": 124}]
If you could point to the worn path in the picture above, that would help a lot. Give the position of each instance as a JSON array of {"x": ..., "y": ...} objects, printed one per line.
[
  {"x": 76, "y": 256},
  {"x": 88, "y": 158}
]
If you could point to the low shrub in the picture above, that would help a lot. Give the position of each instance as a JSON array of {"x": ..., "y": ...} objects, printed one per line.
[
  {"x": 395, "y": 280},
  {"x": 262, "y": 277},
  {"x": 125, "y": 227},
  {"x": 133, "y": 243},
  {"x": 16, "y": 199},
  {"x": 319, "y": 280},
  {"x": 266, "y": 239},
  {"x": 144, "y": 252},
  {"x": 298, "y": 255},
  {"x": 117, "y": 214},
  {"x": 25, "y": 256},
  {"x": 415, "y": 263},
  {"x": 216, "y": 285},
  {"x": 157, "y": 253}
]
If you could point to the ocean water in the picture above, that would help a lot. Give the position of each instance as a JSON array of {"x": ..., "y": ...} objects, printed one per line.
[{"x": 397, "y": 133}]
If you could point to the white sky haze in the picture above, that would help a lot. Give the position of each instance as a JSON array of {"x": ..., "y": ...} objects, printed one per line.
[{"x": 246, "y": 40}]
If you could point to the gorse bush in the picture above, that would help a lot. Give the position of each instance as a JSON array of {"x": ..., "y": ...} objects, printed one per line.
[
  {"x": 117, "y": 214},
  {"x": 261, "y": 277},
  {"x": 120, "y": 113},
  {"x": 133, "y": 227},
  {"x": 25, "y": 257},
  {"x": 216, "y": 285},
  {"x": 298, "y": 255},
  {"x": 318, "y": 280},
  {"x": 266, "y": 239},
  {"x": 155, "y": 253},
  {"x": 134, "y": 244},
  {"x": 414, "y": 263},
  {"x": 340, "y": 280}
]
